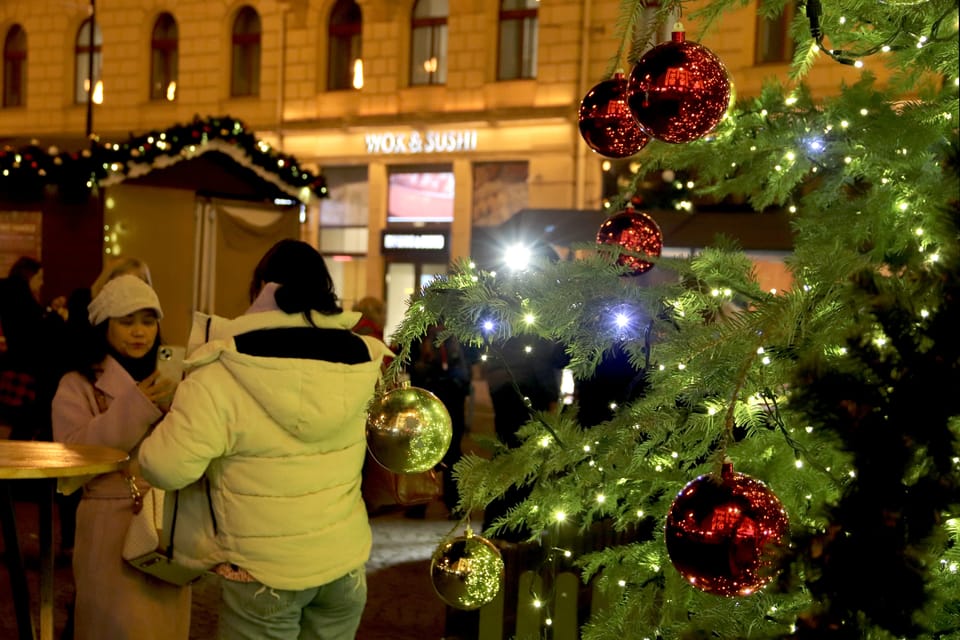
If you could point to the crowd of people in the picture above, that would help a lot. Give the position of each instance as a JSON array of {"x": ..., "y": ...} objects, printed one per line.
[{"x": 266, "y": 470}]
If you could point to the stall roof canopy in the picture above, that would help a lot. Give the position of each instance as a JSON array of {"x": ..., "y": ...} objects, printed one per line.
[
  {"x": 566, "y": 227},
  {"x": 239, "y": 164}
]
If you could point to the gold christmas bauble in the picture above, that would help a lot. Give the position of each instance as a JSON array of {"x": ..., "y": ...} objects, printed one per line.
[
  {"x": 408, "y": 430},
  {"x": 467, "y": 571}
]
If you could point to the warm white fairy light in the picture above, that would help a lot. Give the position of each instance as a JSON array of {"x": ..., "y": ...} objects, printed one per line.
[
  {"x": 640, "y": 513},
  {"x": 601, "y": 498},
  {"x": 933, "y": 257},
  {"x": 858, "y": 64},
  {"x": 548, "y": 621},
  {"x": 791, "y": 156},
  {"x": 863, "y": 112},
  {"x": 852, "y": 474},
  {"x": 885, "y": 48},
  {"x": 536, "y": 603},
  {"x": 790, "y": 100},
  {"x": 528, "y": 349},
  {"x": 681, "y": 366},
  {"x": 674, "y": 455},
  {"x": 765, "y": 360},
  {"x": 712, "y": 411},
  {"x": 763, "y": 113},
  {"x": 924, "y": 313},
  {"x": 662, "y": 367},
  {"x": 844, "y": 124},
  {"x": 622, "y": 582},
  {"x": 847, "y": 160},
  {"x": 777, "y": 168},
  {"x": 808, "y": 429},
  {"x": 798, "y": 463},
  {"x": 529, "y": 318},
  {"x": 567, "y": 553},
  {"x": 545, "y": 441},
  {"x": 560, "y": 516}
]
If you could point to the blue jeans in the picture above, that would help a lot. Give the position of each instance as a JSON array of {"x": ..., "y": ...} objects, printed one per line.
[{"x": 253, "y": 611}]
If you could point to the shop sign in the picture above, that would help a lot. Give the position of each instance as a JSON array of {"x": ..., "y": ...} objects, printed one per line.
[
  {"x": 426, "y": 142},
  {"x": 412, "y": 241}
]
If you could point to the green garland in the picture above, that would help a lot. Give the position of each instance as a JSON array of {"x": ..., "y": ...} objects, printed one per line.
[{"x": 25, "y": 173}]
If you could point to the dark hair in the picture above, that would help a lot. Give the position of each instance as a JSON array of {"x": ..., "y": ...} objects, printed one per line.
[
  {"x": 305, "y": 283},
  {"x": 24, "y": 268}
]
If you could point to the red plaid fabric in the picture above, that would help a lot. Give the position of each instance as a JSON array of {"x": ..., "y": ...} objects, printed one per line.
[{"x": 17, "y": 389}]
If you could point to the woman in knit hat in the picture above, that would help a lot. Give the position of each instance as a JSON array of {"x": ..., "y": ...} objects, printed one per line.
[{"x": 115, "y": 399}]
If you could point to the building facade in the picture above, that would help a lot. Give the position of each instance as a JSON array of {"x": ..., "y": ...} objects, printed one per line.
[{"x": 429, "y": 119}]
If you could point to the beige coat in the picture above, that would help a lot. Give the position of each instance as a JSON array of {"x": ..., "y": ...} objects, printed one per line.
[{"x": 114, "y": 601}]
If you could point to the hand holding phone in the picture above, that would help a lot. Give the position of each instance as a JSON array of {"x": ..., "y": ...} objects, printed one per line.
[{"x": 170, "y": 362}]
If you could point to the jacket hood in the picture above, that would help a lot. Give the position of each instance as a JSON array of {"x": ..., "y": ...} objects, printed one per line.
[{"x": 303, "y": 396}]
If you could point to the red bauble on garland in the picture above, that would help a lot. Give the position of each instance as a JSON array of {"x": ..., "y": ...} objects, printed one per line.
[
  {"x": 678, "y": 91},
  {"x": 722, "y": 534},
  {"x": 634, "y": 231},
  {"x": 606, "y": 122}
]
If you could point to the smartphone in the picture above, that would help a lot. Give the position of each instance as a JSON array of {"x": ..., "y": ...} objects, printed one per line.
[{"x": 170, "y": 362}]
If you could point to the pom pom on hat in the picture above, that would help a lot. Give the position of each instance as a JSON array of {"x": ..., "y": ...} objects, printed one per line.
[{"x": 122, "y": 296}]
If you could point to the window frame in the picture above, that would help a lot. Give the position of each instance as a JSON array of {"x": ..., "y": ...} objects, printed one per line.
[
  {"x": 82, "y": 53},
  {"x": 164, "y": 56},
  {"x": 15, "y": 67},
  {"x": 246, "y": 50},
  {"x": 434, "y": 27},
  {"x": 345, "y": 36},
  {"x": 775, "y": 32},
  {"x": 525, "y": 48}
]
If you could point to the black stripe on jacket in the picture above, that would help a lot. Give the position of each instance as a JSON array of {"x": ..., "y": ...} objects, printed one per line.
[{"x": 310, "y": 343}]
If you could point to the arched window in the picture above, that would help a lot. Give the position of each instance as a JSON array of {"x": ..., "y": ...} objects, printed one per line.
[
  {"x": 15, "y": 67},
  {"x": 163, "y": 58},
  {"x": 345, "y": 70},
  {"x": 245, "y": 50},
  {"x": 518, "y": 39},
  {"x": 428, "y": 42},
  {"x": 774, "y": 43},
  {"x": 89, "y": 61}
]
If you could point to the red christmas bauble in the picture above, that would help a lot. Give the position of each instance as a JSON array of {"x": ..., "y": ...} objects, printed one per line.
[
  {"x": 635, "y": 231},
  {"x": 678, "y": 91},
  {"x": 606, "y": 122},
  {"x": 723, "y": 533}
]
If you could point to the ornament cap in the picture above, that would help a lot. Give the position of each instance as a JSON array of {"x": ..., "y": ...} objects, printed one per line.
[
  {"x": 726, "y": 469},
  {"x": 678, "y": 34}
]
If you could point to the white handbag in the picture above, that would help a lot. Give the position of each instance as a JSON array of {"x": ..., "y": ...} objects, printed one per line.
[{"x": 145, "y": 546}]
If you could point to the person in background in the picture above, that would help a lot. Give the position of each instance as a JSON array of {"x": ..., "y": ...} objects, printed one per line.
[
  {"x": 34, "y": 336},
  {"x": 444, "y": 370},
  {"x": 373, "y": 318},
  {"x": 271, "y": 419},
  {"x": 114, "y": 400},
  {"x": 523, "y": 376}
]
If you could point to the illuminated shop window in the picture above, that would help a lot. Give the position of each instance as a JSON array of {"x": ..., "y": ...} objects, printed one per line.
[{"x": 421, "y": 194}]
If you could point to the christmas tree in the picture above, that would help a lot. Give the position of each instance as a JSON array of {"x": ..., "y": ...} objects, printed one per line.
[{"x": 840, "y": 395}]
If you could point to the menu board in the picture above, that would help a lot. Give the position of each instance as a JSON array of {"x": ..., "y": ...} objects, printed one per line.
[{"x": 20, "y": 235}]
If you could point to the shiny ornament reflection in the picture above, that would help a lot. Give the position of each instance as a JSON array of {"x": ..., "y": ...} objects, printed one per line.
[
  {"x": 678, "y": 91},
  {"x": 606, "y": 123},
  {"x": 467, "y": 572},
  {"x": 408, "y": 430},
  {"x": 634, "y": 231},
  {"x": 723, "y": 535}
]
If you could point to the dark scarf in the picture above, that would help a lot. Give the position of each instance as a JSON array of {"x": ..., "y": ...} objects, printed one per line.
[{"x": 138, "y": 368}]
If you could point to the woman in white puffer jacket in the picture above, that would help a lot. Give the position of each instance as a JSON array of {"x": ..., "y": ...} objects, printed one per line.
[{"x": 267, "y": 437}]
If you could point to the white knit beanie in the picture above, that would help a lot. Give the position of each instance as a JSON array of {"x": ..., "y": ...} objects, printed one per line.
[{"x": 122, "y": 296}]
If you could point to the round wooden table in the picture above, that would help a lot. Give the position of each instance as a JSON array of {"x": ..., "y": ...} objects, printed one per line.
[{"x": 48, "y": 461}]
